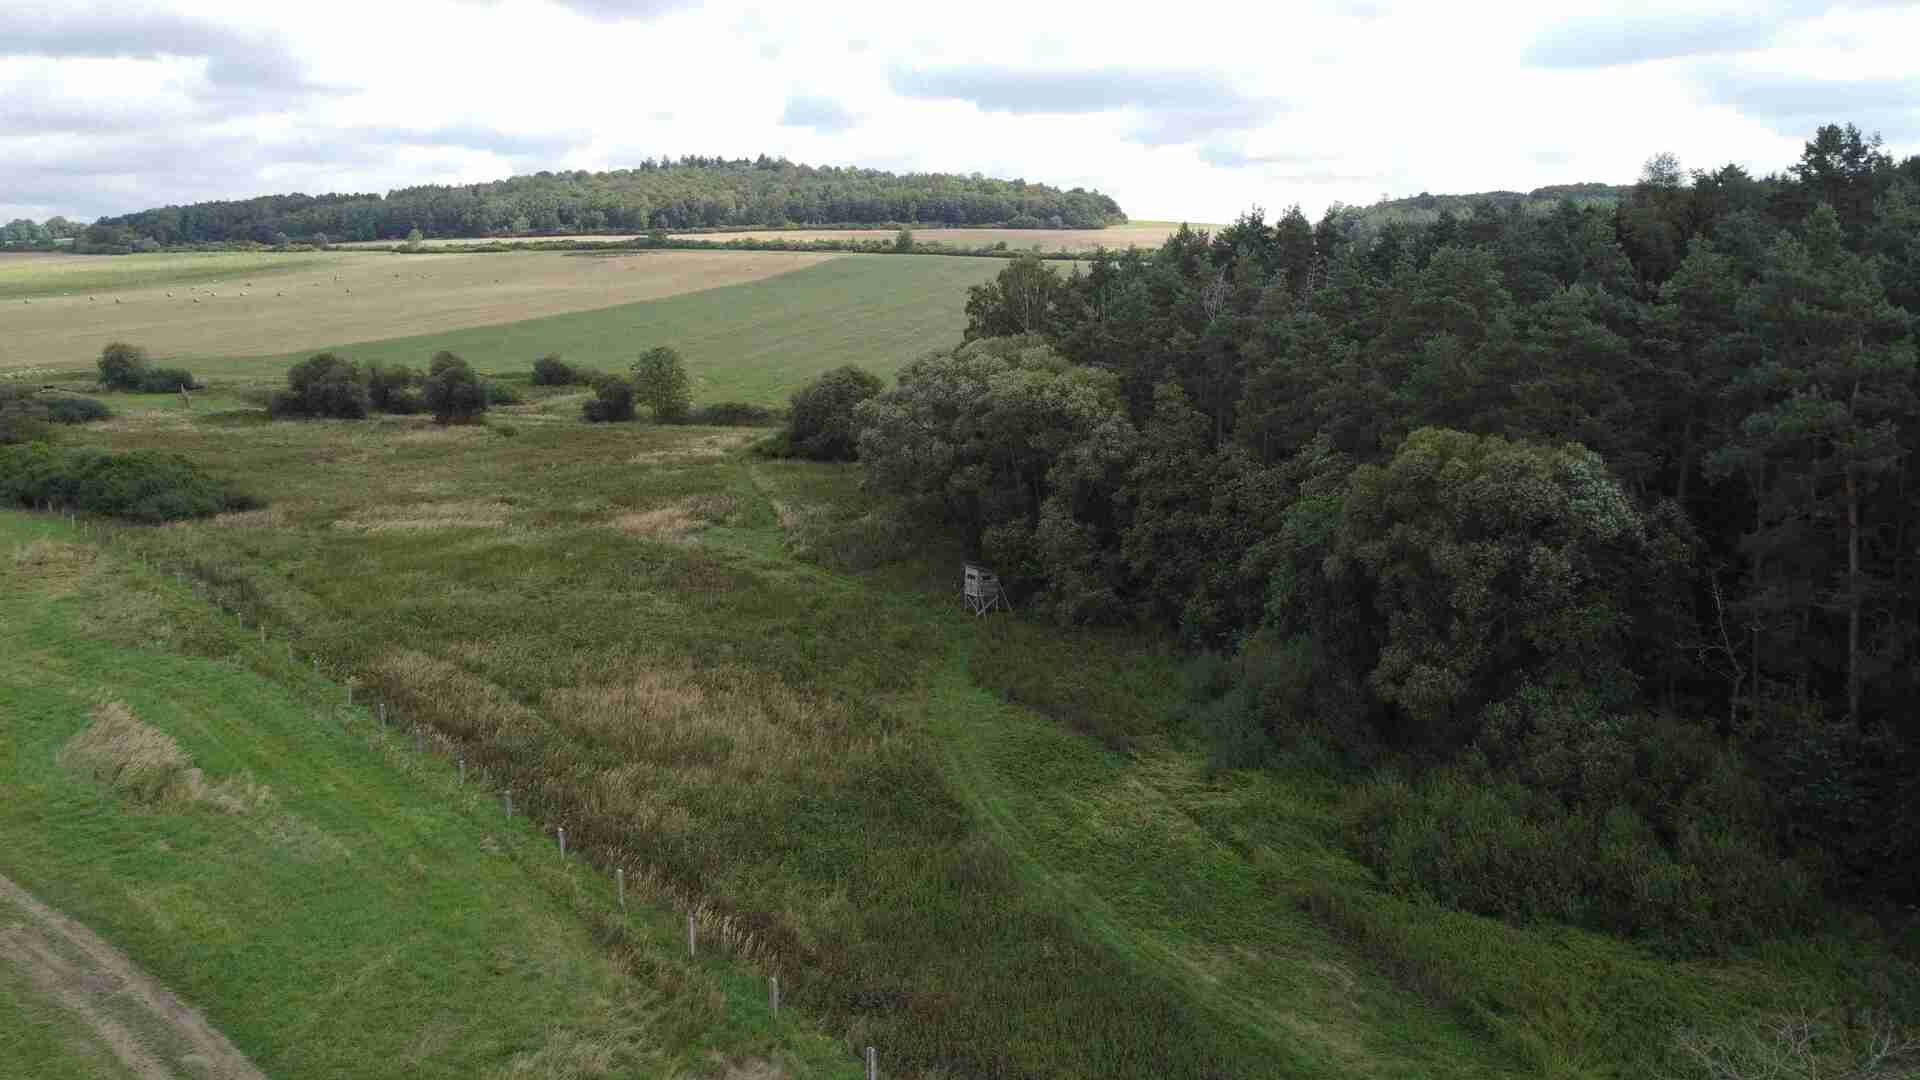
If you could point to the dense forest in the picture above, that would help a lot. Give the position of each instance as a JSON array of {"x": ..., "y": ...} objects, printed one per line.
[
  {"x": 1590, "y": 538},
  {"x": 691, "y": 193}
]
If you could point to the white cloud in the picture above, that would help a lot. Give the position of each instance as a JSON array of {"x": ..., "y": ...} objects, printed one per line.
[{"x": 105, "y": 109}]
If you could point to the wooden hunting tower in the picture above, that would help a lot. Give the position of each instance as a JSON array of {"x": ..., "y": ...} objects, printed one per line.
[{"x": 980, "y": 589}]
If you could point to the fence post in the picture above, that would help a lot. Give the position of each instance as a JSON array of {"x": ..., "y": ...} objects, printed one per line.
[
  {"x": 463, "y": 771},
  {"x": 620, "y": 887},
  {"x": 873, "y": 1064},
  {"x": 561, "y": 832},
  {"x": 383, "y": 718},
  {"x": 418, "y": 744},
  {"x": 773, "y": 994},
  {"x": 689, "y": 935}
]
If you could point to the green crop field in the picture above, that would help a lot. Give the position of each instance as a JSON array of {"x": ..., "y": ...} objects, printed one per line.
[
  {"x": 983, "y": 846},
  {"x": 756, "y": 341},
  {"x": 336, "y": 904}
]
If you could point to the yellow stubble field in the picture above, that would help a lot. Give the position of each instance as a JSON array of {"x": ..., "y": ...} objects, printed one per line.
[{"x": 264, "y": 304}]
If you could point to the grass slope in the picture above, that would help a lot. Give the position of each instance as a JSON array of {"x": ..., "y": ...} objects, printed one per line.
[
  {"x": 370, "y": 917},
  {"x": 755, "y": 342},
  {"x": 982, "y": 846}
]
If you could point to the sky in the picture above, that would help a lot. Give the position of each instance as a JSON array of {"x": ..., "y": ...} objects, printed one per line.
[{"x": 1195, "y": 111}]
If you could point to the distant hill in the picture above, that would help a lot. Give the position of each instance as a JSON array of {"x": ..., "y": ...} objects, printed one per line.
[
  {"x": 691, "y": 193},
  {"x": 1425, "y": 208}
]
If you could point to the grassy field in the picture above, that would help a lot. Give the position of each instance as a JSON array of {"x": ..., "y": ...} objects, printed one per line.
[
  {"x": 979, "y": 845},
  {"x": 754, "y": 341},
  {"x": 335, "y": 903},
  {"x": 30, "y": 275},
  {"x": 328, "y": 299}
]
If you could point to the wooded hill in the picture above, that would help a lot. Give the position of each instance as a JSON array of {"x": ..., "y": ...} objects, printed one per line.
[{"x": 693, "y": 192}]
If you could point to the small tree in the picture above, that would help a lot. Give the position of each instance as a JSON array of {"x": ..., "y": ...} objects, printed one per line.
[
  {"x": 325, "y": 385},
  {"x": 122, "y": 365},
  {"x": 822, "y": 426},
  {"x": 613, "y": 401},
  {"x": 394, "y": 389},
  {"x": 660, "y": 382},
  {"x": 414, "y": 239},
  {"x": 903, "y": 241},
  {"x": 453, "y": 392},
  {"x": 549, "y": 370}
]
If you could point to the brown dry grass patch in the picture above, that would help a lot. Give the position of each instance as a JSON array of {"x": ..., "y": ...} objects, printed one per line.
[
  {"x": 391, "y": 296},
  {"x": 704, "y": 448},
  {"x": 148, "y": 765},
  {"x": 53, "y": 565}
]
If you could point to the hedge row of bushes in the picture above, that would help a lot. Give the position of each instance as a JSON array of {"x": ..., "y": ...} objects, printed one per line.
[
  {"x": 141, "y": 485},
  {"x": 329, "y": 386},
  {"x": 27, "y": 415}
]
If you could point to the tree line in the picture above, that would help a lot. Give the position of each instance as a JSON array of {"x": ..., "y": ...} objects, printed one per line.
[
  {"x": 1592, "y": 535},
  {"x": 693, "y": 192}
]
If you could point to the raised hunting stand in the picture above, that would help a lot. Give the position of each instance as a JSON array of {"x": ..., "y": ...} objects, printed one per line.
[{"x": 980, "y": 590}]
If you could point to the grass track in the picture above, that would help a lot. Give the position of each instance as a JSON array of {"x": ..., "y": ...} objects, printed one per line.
[
  {"x": 1094, "y": 831},
  {"x": 371, "y": 919}
]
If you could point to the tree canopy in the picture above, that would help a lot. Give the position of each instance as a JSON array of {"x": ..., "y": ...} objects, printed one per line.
[{"x": 692, "y": 192}]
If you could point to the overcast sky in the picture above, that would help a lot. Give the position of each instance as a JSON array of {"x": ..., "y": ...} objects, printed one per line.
[{"x": 1189, "y": 111}]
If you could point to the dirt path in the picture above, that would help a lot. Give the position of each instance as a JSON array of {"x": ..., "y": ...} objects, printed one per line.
[{"x": 153, "y": 1033}]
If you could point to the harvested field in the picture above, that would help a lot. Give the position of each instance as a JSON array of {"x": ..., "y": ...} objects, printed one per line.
[
  {"x": 1132, "y": 234},
  {"x": 337, "y": 298}
]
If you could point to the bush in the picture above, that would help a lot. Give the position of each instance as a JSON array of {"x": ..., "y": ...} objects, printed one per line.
[
  {"x": 23, "y": 419},
  {"x": 75, "y": 410},
  {"x": 453, "y": 393},
  {"x": 613, "y": 401},
  {"x": 394, "y": 390},
  {"x": 499, "y": 393},
  {"x": 660, "y": 382},
  {"x": 550, "y": 371},
  {"x": 166, "y": 381},
  {"x": 121, "y": 366},
  {"x": 1626, "y": 825},
  {"x": 143, "y": 485},
  {"x": 822, "y": 424},
  {"x": 733, "y": 414},
  {"x": 324, "y": 385}
]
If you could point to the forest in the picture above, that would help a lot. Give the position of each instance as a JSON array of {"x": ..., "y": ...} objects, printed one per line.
[
  {"x": 1585, "y": 543},
  {"x": 691, "y": 193}
]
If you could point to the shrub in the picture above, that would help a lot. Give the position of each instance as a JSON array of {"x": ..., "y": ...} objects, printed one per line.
[
  {"x": 75, "y": 410},
  {"x": 121, "y": 366},
  {"x": 166, "y": 381},
  {"x": 142, "y": 485},
  {"x": 499, "y": 393},
  {"x": 613, "y": 401},
  {"x": 325, "y": 385},
  {"x": 822, "y": 425},
  {"x": 733, "y": 414},
  {"x": 23, "y": 419},
  {"x": 394, "y": 390},
  {"x": 660, "y": 382},
  {"x": 550, "y": 371},
  {"x": 1626, "y": 825},
  {"x": 453, "y": 393}
]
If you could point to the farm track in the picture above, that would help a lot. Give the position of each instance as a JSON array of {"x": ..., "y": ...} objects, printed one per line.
[{"x": 147, "y": 1029}]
